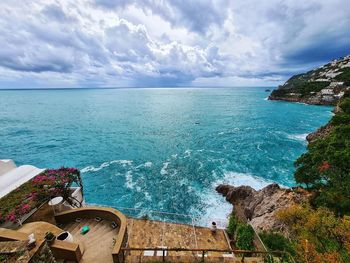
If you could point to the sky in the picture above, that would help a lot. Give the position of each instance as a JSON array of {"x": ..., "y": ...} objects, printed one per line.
[{"x": 157, "y": 43}]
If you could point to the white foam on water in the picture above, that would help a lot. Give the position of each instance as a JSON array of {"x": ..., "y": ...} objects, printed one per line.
[
  {"x": 148, "y": 164},
  {"x": 122, "y": 162},
  {"x": 164, "y": 171},
  {"x": 200, "y": 165},
  {"x": 129, "y": 183},
  {"x": 187, "y": 153},
  {"x": 91, "y": 168},
  {"x": 298, "y": 137},
  {"x": 238, "y": 179},
  {"x": 215, "y": 206},
  {"x": 147, "y": 196}
]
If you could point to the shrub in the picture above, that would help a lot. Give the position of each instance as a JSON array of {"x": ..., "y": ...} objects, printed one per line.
[
  {"x": 318, "y": 234},
  {"x": 232, "y": 225},
  {"x": 345, "y": 105},
  {"x": 277, "y": 242},
  {"x": 245, "y": 237},
  {"x": 325, "y": 167},
  {"x": 301, "y": 87},
  {"x": 341, "y": 118},
  {"x": 344, "y": 76},
  {"x": 269, "y": 259}
]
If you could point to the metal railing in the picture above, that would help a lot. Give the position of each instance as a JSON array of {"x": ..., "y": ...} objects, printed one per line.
[
  {"x": 167, "y": 216},
  {"x": 203, "y": 252},
  {"x": 191, "y": 220}
]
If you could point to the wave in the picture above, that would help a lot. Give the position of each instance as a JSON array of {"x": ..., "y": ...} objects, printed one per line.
[
  {"x": 187, "y": 153},
  {"x": 129, "y": 183},
  {"x": 238, "y": 179},
  {"x": 298, "y": 137},
  {"x": 91, "y": 168},
  {"x": 214, "y": 206},
  {"x": 148, "y": 164},
  {"x": 164, "y": 171}
]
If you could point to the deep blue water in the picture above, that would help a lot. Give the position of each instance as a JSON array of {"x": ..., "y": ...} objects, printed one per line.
[{"x": 160, "y": 149}]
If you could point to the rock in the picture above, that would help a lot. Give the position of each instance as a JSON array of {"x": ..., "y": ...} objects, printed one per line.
[
  {"x": 261, "y": 206},
  {"x": 320, "y": 133}
]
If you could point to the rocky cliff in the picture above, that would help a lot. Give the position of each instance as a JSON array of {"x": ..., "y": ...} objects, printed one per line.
[
  {"x": 260, "y": 206},
  {"x": 322, "y": 86}
]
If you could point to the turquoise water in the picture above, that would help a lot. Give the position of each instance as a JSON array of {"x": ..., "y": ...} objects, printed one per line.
[{"x": 159, "y": 149}]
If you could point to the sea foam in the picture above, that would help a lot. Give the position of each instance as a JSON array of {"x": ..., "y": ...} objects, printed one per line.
[
  {"x": 92, "y": 168},
  {"x": 298, "y": 137},
  {"x": 214, "y": 205}
]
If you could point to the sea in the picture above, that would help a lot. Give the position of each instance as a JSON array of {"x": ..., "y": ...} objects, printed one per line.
[{"x": 159, "y": 152}]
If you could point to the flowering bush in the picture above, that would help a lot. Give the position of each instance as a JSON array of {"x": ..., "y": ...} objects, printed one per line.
[{"x": 48, "y": 184}]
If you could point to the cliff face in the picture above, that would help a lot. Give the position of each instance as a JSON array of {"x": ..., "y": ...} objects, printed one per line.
[
  {"x": 322, "y": 86},
  {"x": 261, "y": 206},
  {"x": 320, "y": 133}
]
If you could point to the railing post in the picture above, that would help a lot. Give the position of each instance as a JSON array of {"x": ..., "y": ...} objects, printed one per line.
[
  {"x": 163, "y": 254},
  {"x": 203, "y": 255}
]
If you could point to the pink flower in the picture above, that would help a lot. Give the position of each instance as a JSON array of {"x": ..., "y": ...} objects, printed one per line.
[
  {"x": 11, "y": 217},
  {"x": 25, "y": 208}
]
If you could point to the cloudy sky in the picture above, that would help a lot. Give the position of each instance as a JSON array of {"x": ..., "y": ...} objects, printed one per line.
[{"x": 119, "y": 43}]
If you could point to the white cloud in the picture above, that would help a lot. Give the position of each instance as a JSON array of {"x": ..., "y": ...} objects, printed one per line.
[{"x": 150, "y": 42}]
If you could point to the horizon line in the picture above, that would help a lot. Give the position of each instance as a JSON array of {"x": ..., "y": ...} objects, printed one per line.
[{"x": 135, "y": 87}]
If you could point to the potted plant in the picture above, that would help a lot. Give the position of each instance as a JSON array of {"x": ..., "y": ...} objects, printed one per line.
[{"x": 50, "y": 237}]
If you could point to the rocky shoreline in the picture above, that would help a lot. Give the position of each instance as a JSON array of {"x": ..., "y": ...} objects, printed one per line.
[
  {"x": 325, "y": 85},
  {"x": 260, "y": 206},
  {"x": 312, "y": 100}
]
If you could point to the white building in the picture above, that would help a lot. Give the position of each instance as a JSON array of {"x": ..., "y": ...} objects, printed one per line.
[
  {"x": 327, "y": 92},
  {"x": 11, "y": 176}
]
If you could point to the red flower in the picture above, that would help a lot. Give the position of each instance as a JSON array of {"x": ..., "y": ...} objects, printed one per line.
[{"x": 324, "y": 166}]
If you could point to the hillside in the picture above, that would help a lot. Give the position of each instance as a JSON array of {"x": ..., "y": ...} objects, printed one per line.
[{"x": 322, "y": 86}]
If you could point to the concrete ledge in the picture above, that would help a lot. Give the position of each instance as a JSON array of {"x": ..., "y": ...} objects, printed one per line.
[{"x": 66, "y": 250}]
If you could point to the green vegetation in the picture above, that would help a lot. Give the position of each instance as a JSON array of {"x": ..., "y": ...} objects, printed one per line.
[
  {"x": 243, "y": 233},
  {"x": 318, "y": 235},
  {"x": 275, "y": 241},
  {"x": 301, "y": 87},
  {"x": 232, "y": 225},
  {"x": 269, "y": 259},
  {"x": 308, "y": 87},
  {"x": 319, "y": 232},
  {"x": 344, "y": 76},
  {"x": 325, "y": 167},
  {"x": 245, "y": 237}
]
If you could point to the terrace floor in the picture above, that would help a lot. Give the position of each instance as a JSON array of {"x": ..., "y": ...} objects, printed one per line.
[
  {"x": 146, "y": 234},
  {"x": 97, "y": 244}
]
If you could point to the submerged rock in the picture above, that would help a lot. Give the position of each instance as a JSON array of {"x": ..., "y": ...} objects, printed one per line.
[{"x": 260, "y": 206}]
